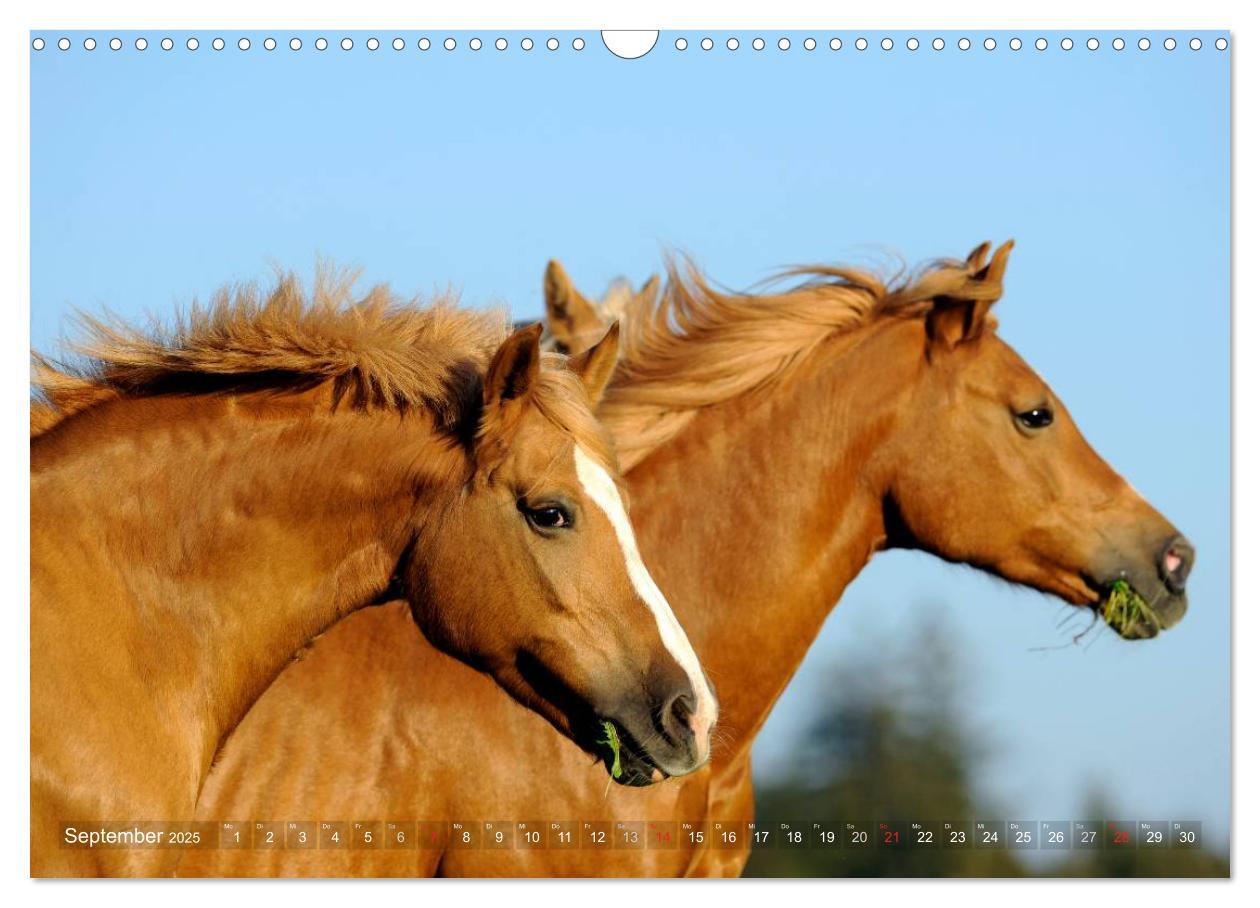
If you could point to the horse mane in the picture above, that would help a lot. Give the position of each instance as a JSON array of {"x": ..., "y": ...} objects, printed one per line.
[
  {"x": 697, "y": 346},
  {"x": 379, "y": 351},
  {"x": 616, "y": 300}
]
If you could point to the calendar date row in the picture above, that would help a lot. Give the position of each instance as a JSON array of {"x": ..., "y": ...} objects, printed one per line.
[{"x": 908, "y": 835}]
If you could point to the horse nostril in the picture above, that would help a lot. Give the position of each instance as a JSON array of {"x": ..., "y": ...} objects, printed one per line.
[
  {"x": 677, "y": 714},
  {"x": 1175, "y": 562}
]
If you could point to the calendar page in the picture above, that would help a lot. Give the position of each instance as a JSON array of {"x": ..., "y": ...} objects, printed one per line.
[{"x": 562, "y": 453}]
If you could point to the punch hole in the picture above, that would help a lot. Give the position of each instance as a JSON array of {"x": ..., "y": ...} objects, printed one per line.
[
  {"x": 167, "y": 44},
  {"x": 860, "y": 44},
  {"x": 912, "y": 44},
  {"x": 631, "y": 45},
  {"x": 37, "y": 44},
  {"x": 217, "y": 44},
  {"x": 732, "y": 44},
  {"x": 141, "y": 43},
  {"x": 1221, "y": 44},
  {"x": 990, "y": 44},
  {"x": 1196, "y": 44},
  {"x": 321, "y": 44},
  {"x": 295, "y": 44},
  {"x": 116, "y": 44},
  {"x": 938, "y": 44},
  {"x": 398, "y": 44},
  {"x": 759, "y": 44},
  {"x": 809, "y": 44},
  {"x": 527, "y": 44},
  {"x": 886, "y": 44},
  {"x": 373, "y": 44},
  {"x": 681, "y": 44},
  {"x": 89, "y": 44},
  {"x": 1092, "y": 44},
  {"x": 1066, "y": 44},
  {"x": 269, "y": 44},
  {"x": 784, "y": 44},
  {"x": 1144, "y": 44},
  {"x": 964, "y": 44},
  {"x": 1016, "y": 44},
  {"x": 1118, "y": 43},
  {"x": 835, "y": 44},
  {"x": 1041, "y": 44}
]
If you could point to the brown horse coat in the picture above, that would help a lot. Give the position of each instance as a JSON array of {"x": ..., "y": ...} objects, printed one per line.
[
  {"x": 205, "y": 503},
  {"x": 777, "y": 443}
]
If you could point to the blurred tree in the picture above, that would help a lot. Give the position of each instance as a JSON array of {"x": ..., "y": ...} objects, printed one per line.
[
  {"x": 1137, "y": 862},
  {"x": 892, "y": 743}
]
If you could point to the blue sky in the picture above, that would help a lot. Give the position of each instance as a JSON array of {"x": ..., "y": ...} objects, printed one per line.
[{"x": 158, "y": 176}]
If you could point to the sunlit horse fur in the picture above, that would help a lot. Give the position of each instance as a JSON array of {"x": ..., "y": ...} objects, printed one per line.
[
  {"x": 207, "y": 500},
  {"x": 778, "y": 443}
]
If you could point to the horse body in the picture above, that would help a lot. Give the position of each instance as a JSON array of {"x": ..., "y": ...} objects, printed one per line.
[
  {"x": 756, "y": 507},
  {"x": 753, "y": 619},
  {"x": 154, "y": 601},
  {"x": 202, "y": 518}
]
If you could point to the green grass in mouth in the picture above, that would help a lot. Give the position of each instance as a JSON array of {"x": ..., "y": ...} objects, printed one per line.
[
  {"x": 1125, "y": 609},
  {"x": 614, "y": 744}
]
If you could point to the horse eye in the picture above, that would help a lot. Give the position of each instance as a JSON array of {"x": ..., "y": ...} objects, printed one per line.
[
  {"x": 548, "y": 517},
  {"x": 1036, "y": 418}
]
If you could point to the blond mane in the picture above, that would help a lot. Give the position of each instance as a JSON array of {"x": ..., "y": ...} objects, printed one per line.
[
  {"x": 696, "y": 346},
  {"x": 379, "y": 351}
]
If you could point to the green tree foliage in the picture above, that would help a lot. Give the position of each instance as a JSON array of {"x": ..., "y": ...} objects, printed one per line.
[{"x": 892, "y": 742}]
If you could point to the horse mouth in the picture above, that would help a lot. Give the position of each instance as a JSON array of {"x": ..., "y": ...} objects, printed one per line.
[
  {"x": 626, "y": 761},
  {"x": 1124, "y": 608}
]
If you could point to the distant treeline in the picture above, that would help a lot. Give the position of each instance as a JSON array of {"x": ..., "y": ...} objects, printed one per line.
[{"x": 903, "y": 749}]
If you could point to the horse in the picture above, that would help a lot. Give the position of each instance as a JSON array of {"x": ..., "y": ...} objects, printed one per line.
[
  {"x": 773, "y": 445},
  {"x": 207, "y": 501}
]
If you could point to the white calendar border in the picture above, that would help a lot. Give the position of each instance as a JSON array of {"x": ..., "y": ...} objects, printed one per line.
[{"x": 662, "y": 14}]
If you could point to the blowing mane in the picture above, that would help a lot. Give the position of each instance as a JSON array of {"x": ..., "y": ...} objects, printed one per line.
[
  {"x": 696, "y": 346},
  {"x": 379, "y": 351}
]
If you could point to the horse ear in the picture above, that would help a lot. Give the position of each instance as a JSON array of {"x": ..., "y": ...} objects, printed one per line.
[
  {"x": 961, "y": 316},
  {"x": 569, "y": 313},
  {"x": 996, "y": 269},
  {"x": 595, "y": 366},
  {"x": 513, "y": 369},
  {"x": 975, "y": 259}
]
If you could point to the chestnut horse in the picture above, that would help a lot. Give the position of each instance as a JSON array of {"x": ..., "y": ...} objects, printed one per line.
[
  {"x": 204, "y": 504},
  {"x": 773, "y": 445}
]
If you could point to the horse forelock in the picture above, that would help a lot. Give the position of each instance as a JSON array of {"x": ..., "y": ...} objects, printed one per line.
[{"x": 560, "y": 397}]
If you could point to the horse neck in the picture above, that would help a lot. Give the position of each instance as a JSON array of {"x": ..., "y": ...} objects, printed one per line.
[
  {"x": 220, "y": 537},
  {"x": 761, "y": 512}
]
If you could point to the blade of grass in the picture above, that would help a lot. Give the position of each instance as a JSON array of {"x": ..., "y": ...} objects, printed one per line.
[{"x": 614, "y": 744}]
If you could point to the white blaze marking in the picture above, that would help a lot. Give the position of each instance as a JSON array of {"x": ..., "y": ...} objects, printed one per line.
[{"x": 603, "y": 491}]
